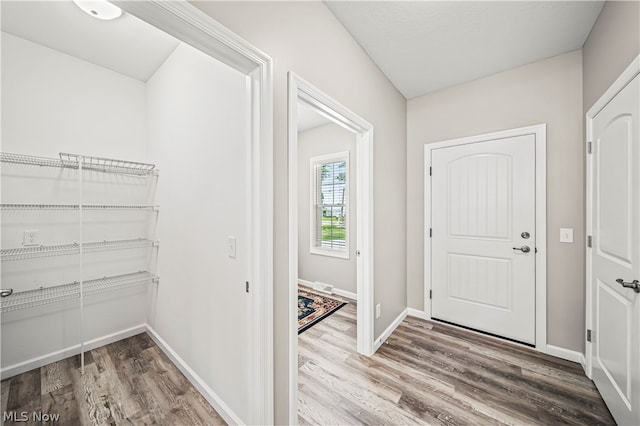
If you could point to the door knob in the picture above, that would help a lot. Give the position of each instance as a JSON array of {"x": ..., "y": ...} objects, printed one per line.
[
  {"x": 524, "y": 249},
  {"x": 635, "y": 284}
]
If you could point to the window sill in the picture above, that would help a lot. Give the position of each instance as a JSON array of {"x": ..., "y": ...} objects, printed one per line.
[{"x": 330, "y": 253}]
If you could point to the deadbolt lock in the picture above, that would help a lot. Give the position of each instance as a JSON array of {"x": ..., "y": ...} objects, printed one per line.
[{"x": 525, "y": 235}]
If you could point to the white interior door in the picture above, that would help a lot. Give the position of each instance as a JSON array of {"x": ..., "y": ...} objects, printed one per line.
[
  {"x": 616, "y": 254},
  {"x": 483, "y": 243}
]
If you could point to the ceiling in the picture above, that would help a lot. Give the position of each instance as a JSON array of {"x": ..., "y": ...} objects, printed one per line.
[
  {"x": 309, "y": 118},
  {"x": 424, "y": 46},
  {"x": 125, "y": 45},
  {"x": 421, "y": 46}
]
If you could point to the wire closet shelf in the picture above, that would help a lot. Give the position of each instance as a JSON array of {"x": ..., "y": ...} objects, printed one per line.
[
  {"x": 22, "y": 253},
  {"x": 60, "y": 293},
  {"x": 9, "y": 206},
  {"x": 72, "y": 161}
]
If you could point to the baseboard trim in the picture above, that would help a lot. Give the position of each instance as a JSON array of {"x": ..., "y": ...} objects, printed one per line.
[
  {"x": 22, "y": 367},
  {"x": 216, "y": 402},
  {"x": 567, "y": 354},
  {"x": 337, "y": 291},
  {"x": 305, "y": 283},
  {"x": 417, "y": 313},
  {"x": 385, "y": 334},
  {"x": 345, "y": 293}
]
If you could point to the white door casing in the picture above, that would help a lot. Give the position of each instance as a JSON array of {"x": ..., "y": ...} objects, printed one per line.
[
  {"x": 613, "y": 311},
  {"x": 483, "y": 199},
  {"x": 300, "y": 90},
  {"x": 470, "y": 252}
]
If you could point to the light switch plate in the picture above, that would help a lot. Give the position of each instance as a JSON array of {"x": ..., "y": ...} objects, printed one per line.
[
  {"x": 231, "y": 247},
  {"x": 566, "y": 235},
  {"x": 378, "y": 310}
]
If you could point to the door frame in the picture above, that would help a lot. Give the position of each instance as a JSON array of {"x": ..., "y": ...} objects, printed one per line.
[
  {"x": 625, "y": 78},
  {"x": 303, "y": 91},
  {"x": 540, "y": 133},
  {"x": 194, "y": 27}
]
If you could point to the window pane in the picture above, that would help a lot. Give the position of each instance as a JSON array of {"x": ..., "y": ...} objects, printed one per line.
[{"x": 332, "y": 189}]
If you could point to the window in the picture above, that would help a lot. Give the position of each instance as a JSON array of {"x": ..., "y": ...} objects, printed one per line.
[{"x": 330, "y": 205}]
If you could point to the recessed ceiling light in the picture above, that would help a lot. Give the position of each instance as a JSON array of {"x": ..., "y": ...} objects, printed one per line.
[{"x": 100, "y": 9}]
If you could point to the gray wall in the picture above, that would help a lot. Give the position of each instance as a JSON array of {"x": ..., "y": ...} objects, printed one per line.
[
  {"x": 202, "y": 103},
  {"x": 548, "y": 91},
  {"x": 324, "y": 140},
  {"x": 613, "y": 43},
  {"x": 306, "y": 38}
]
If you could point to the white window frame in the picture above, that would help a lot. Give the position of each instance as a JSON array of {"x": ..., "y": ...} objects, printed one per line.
[{"x": 314, "y": 161}]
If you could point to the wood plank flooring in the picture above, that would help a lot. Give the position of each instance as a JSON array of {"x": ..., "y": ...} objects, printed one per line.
[
  {"x": 130, "y": 382},
  {"x": 426, "y": 373},
  {"x": 430, "y": 373}
]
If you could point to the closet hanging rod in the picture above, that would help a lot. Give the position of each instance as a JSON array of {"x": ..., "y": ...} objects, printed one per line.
[
  {"x": 72, "y": 161},
  {"x": 22, "y": 253},
  {"x": 47, "y": 295},
  {"x": 13, "y": 206}
]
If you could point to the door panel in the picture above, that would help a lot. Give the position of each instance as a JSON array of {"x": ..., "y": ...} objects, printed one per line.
[
  {"x": 613, "y": 318},
  {"x": 616, "y": 254},
  {"x": 483, "y": 199},
  {"x": 491, "y": 283},
  {"x": 479, "y": 197},
  {"x": 613, "y": 221}
]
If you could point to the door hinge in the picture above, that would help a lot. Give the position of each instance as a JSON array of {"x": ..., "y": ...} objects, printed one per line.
[
  {"x": 246, "y": 286},
  {"x": 430, "y": 171},
  {"x": 589, "y": 148},
  {"x": 430, "y": 232},
  {"x": 588, "y": 335},
  {"x": 430, "y": 294},
  {"x": 589, "y": 241}
]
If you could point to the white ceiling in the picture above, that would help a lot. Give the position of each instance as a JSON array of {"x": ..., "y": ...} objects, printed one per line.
[
  {"x": 420, "y": 46},
  {"x": 125, "y": 45},
  {"x": 309, "y": 118},
  {"x": 423, "y": 46}
]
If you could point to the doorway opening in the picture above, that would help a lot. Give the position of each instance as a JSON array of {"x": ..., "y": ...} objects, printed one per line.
[
  {"x": 115, "y": 107},
  {"x": 304, "y": 98}
]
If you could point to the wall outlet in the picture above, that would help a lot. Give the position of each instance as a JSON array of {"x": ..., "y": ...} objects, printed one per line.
[
  {"x": 378, "y": 310},
  {"x": 31, "y": 238},
  {"x": 566, "y": 235}
]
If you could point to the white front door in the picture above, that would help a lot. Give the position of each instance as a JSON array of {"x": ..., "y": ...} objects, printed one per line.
[
  {"x": 616, "y": 254},
  {"x": 483, "y": 244}
]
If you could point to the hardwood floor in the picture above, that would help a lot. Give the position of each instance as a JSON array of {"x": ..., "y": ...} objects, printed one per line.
[
  {"x": 430, "y": 373},
  {"x": 130, "y": 382},
  {"x": 426, "y": 373}
]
